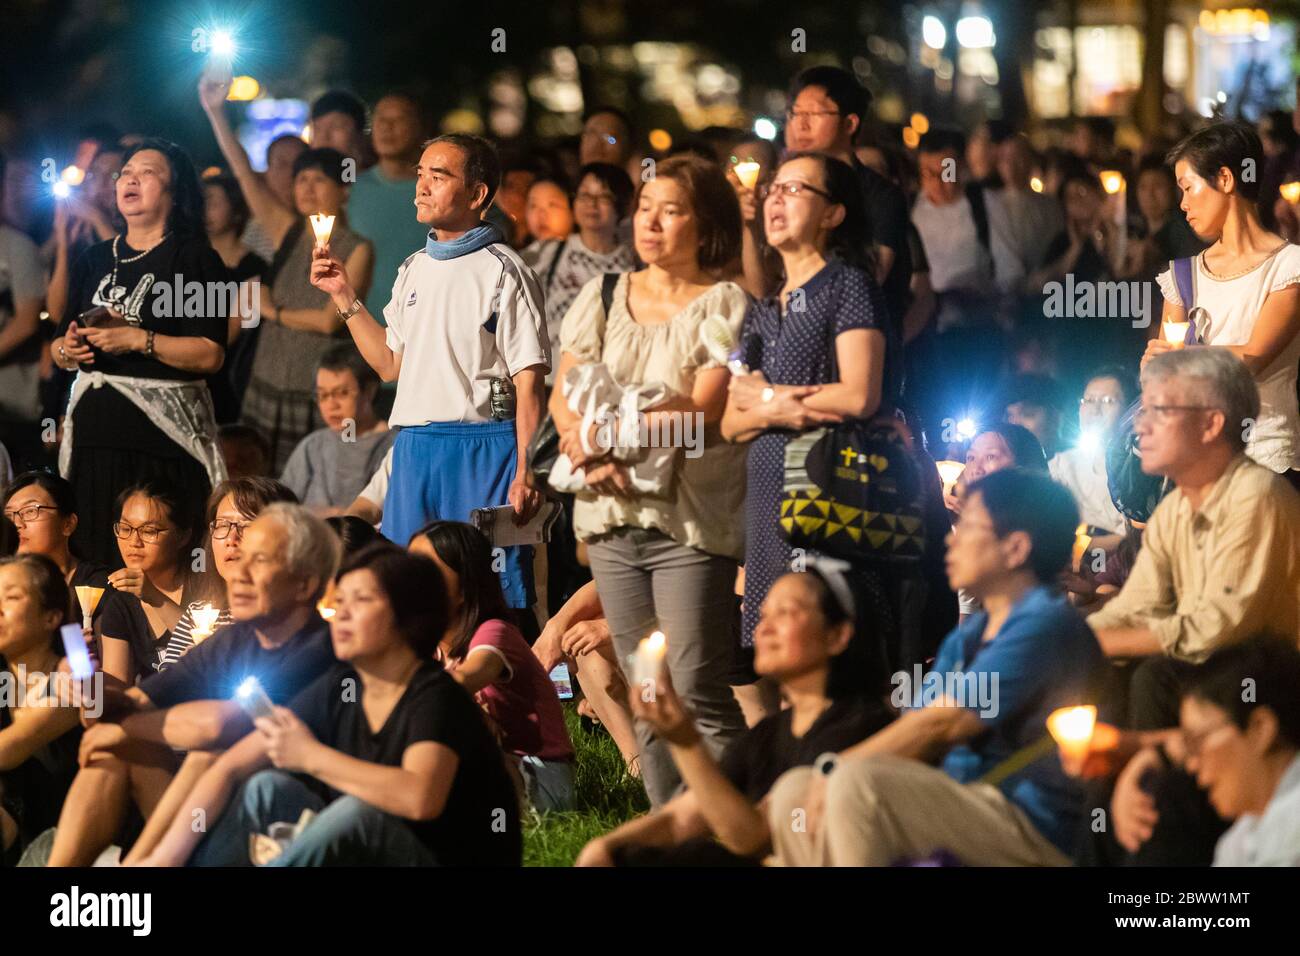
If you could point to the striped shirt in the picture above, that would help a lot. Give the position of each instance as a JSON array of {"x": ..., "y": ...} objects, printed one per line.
[{"x": 182, "y": 635}]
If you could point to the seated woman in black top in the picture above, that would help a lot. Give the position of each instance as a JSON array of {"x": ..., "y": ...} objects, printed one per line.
[
  {"x": 43, "y": 507},
  {"x": 805, "y": 641},
  {"x": 38, "y": 743},
  {"x": 145, "y": 322},
  {"x": 390, "y": 752},
  {"x": 157, "y": 527}
]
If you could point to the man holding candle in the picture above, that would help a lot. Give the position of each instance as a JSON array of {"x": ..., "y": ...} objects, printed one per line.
[
  {"x": 1220, "y": 558},
  {"x": 466, "y": 343},
  {"x": 286, "y": 559},
  {"x": 996, "y": 798}
]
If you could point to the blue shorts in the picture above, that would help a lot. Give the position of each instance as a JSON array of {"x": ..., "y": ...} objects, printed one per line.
[{"x": 443, "y": 471}]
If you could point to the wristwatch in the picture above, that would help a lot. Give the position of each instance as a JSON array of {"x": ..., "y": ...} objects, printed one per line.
[
  {"x": 353, "y": 309},
  {"x": 824, "y": 764}
]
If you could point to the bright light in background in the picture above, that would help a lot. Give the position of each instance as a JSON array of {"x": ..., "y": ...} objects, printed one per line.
[
  {"x": 243, "y": 89},
  {"x": 222, "y": 44},
  {"x": 72, "y": 175},
  {"x": 933, "y": 33},
  {"x": 1036, "y": 184},
  {"x": 966, "y": 428},
  {"x": 920, "y": 123},
  {"x": 764, "y": 128},
  {"x": 1090, "y": 441},
  {"x": 975, "y": 33},
  {"x": 661, "y": 140},
  {"x": 911, "y": 138},
  {"x": 61, "y": 190}
]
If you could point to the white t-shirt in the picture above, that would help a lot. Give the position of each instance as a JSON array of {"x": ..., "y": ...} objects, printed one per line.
[
  {"x": 1022, "y": 224},
  {"x": 1085, "y": 475},
  {"x": 958, "y": 260},
  {"x": 440, "y": 318},
  {"x": 1234, "y": 306}
]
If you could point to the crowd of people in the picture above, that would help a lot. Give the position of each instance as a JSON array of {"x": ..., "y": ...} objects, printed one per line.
[{"x": 333, "y": 508}]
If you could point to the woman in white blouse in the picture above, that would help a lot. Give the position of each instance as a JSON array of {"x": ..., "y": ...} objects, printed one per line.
[
  {"x": 667, "y": 561},
  {"x": 1248, "y": 283}
]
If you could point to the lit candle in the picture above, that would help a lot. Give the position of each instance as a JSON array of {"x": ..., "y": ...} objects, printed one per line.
[
  {"x": 1081, "y": 541},
  {"x": 1112, "y": 181},
  {"x": 322, "y": 225},
  {"x": 949, "y": 472},
  {"x": 324, "y": 610},
  {"x": 1036, "y": 184},
  {"x": 88, "y": 598},
  {"x": 1291, "y": 192},
  {"x": 747, "y": 173},
  {"x": 205, "y": 622},
  {"x": 648, "y": 660},
  {"x": 1175, "y": 332},
  {"x": 1072, "y": 729}
]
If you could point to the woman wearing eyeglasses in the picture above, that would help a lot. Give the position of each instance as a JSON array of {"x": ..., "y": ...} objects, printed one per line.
[
  {"x": 158, "y": 530},
  {"x": 231, "y": 509},
  {"x": 1082, "y": 468},
  {"x": 821, "y": 350},
  {"x": 43, "y": 508}
]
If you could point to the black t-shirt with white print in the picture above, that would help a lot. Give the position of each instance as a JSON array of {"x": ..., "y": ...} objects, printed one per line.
[
  {"x": 147, "y": 289},
  {"x": 479, "y": 825}
]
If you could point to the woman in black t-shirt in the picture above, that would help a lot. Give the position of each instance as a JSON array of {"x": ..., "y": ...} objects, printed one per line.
[
  {"x": 804, "y": 641},
  {"x": 43, "y": 508},
  {"x": 158, "y": 527},
  {"x": 145, "y": 322},
  {"x": 38, "y": 750},
  {"x": 390, "y": 753}
]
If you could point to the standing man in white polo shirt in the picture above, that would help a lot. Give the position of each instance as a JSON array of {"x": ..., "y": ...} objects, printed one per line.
[{"x": 466, "y": 343}]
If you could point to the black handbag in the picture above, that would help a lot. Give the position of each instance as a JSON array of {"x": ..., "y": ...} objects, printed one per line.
[{"x": 854, "y": 490}]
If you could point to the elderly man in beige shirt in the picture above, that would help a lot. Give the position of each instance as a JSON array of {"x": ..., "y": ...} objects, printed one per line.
[{"x": 1220, "y": 559}]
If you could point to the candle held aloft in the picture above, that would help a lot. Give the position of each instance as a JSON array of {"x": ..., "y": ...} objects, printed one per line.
[
  {"x": 747, "y": 173},
  {"x": 949, "y": 472},
  {"x": 322, "y": 225},
  {"x": 1291, "y": 192},
  {"x": 1112, "y": 180}
]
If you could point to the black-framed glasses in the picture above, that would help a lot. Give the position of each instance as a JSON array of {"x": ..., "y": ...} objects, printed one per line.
[
  {"x": 1162, "y": 413},
  {"x": 223, "y": 527},
  {"x": 29, "y": 513},
  {"x": 791, "y": 187},
  {"x": 149, "y": 533}
]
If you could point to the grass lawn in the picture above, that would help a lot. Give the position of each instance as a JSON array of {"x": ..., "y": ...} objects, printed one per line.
[{"x": 606, "y": 796}]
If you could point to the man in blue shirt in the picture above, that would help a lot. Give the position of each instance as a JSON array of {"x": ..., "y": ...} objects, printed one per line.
[{"x": 999, "y": 796}]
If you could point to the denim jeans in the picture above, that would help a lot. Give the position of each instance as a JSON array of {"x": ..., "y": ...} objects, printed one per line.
[
  {"x": 346, "y": 832},
  {"x": 548, "y": 784}
]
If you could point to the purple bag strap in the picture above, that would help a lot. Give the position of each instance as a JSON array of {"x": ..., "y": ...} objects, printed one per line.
[{"x": 1183, "y": 280}]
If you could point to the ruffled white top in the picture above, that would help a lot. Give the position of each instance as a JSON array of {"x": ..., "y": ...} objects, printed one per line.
[{"x": 1234, "y": 306}]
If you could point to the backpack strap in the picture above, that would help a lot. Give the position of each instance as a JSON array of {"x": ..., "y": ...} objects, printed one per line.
[
  {"x": 608, "y": 283},
  {"x": 1185, "y": 281}
]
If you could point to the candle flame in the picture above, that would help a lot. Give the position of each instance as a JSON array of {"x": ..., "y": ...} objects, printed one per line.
[
  {"x": 322, "y": 225},
  {"x": 1176, "y": 332},
  {"x": 747, "y": 173},
  {"x": 324, "y": 610},
  {"x": 1112, "y": 181},
  {"x": 1291, "y": 192},
  {"x": 205, "y": 621},
  {"x": 1071, "y": 726}
]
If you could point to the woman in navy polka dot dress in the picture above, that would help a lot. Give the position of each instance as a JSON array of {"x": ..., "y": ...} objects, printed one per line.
[{"x": 821, "y": 350}]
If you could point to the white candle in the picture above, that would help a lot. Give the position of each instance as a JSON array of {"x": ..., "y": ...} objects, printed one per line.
[
  {"x": 88, "y": 597},
  {"x": 747, "y": 173},
  {"x": 322, "y": 225},
  {"x": 648, "y": 660},
  {"x": 949, "y": 472},
  {"x": 1072, "y": 729},
  {"x": 1175, "y": 332},
  {"x": 205, "y": 622}
]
